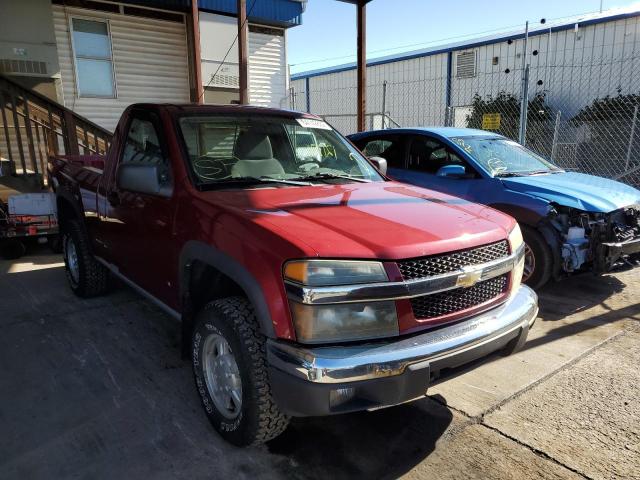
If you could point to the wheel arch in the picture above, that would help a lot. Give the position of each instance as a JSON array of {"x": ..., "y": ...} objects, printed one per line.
[
  {"x": 536, "y": 215},
  {"x": 220, "y": 276},
  {"x": 68, "y": 207}
]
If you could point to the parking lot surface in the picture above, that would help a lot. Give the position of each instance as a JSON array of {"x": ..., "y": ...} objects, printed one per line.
[{"x": 97, "y": 389}]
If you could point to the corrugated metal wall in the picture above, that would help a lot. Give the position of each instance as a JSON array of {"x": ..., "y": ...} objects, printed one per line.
[
  {"x": 267, "y": 69},
  {"x": 415, "y": 94},
  {"x": 150, "y": 63},
  {"x": 574, "y": 66}
]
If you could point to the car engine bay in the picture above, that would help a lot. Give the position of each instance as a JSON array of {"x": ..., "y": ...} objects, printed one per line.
[{"x": 595, "y": 241}]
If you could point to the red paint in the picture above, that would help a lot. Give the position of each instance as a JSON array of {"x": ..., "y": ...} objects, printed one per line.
[{"x": 263, "y": 228}]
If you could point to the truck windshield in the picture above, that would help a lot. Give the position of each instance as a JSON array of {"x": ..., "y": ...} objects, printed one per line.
[
  {"x": 503, "y": 157},
  {"x": 260, "y": 149}
]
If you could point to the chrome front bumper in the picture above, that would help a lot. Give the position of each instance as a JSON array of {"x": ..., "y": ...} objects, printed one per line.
[{"x": 445, "y": 347}]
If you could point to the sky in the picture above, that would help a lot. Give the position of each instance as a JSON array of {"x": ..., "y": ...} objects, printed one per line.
[{"x": 327, "y": 35}]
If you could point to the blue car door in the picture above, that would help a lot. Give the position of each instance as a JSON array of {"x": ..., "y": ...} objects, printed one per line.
[{"x": 427, "y": 158}]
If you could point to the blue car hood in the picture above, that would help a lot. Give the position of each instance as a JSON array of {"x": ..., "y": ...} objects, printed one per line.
[{"x": 577, "y": 190}]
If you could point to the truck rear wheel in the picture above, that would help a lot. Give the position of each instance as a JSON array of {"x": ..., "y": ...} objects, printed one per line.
[
  {"x": 538, "y": 260},
  {"x": 86, "y": 276},
  {"x": 230, "y": 368}
]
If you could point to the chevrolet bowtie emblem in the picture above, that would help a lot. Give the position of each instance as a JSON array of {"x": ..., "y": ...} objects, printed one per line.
[{"x": 469, "y": 277}]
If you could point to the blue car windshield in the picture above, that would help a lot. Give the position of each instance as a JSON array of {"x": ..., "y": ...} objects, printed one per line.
[{"x": 503, "y": 157}]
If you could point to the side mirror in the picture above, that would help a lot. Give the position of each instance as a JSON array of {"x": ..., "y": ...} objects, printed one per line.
[
  {"x": 142, "y": 178},
  {"x": 380, "y": 163},
  {"x": 451, "y": 171}
]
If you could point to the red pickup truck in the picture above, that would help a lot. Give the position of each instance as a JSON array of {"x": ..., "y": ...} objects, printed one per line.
[{"x": 305, "y": 285}]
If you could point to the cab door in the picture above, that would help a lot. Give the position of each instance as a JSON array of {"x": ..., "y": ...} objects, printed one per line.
[{"x": 138, "y": 232}]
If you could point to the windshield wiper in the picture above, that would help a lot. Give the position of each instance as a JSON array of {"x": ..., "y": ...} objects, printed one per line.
[
  {"x": 253, "y": 181},
  {"x": 330, "y": 176},
  {"x": 507, "y": 174},
  {"x": 539, "y": 172}
]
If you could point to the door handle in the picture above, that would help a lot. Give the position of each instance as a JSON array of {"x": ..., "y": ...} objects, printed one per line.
[{"x": 113, "y": 198}]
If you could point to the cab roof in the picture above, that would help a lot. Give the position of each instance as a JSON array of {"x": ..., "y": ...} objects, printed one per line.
[
  {"x": 195, "y": 108},
  {"x": 445, "y": 132}
]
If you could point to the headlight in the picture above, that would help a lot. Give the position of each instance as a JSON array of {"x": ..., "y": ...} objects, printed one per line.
[
  {"x": 318, "y": 273},
  {"x": 516, "y": 241},
  {"x": 344, "y": 322},
  {"x": 515, "y": 238}
]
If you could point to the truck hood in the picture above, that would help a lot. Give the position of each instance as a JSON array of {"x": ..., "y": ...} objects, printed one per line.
[
  {"x": 577, "y": 190},
  {"x": 384, "y": 220}
]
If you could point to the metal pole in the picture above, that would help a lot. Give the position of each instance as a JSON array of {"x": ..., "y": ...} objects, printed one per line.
[
  {"x": 384, "y": 105},
  {"x": 633, "y": 131},
  {"x": 524, "y": 96},
  {"x": 556, "y": 129},
  {"x": 197, "y": 58},
  {"x": 243, "y": 29},
  {"x": 362, "y": 63}
]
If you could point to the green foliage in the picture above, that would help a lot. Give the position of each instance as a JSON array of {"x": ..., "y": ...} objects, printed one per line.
[{"x": 606, "y": 109}]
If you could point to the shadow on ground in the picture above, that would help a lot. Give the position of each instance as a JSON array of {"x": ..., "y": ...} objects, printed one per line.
[
  {"x": 382, "y": 444},
  {"x": 576, "y": 294},
  {"x": 97, "y": 389}
]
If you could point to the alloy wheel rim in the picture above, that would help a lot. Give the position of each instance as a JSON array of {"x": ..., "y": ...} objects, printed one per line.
[
  {"x": 222, "y": 376},
  {"x": 529, "y": 263}
]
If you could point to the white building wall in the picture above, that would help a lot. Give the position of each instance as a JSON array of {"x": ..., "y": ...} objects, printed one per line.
[
  {"x": 575, "y": 67},
  {"x": 415, "y": 93},
  {"x": 267, "y": 67},
  {"x": 150, "y": 62}
]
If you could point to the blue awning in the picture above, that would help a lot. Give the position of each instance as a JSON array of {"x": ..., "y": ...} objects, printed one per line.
[
  {"x": 282, "y": 13},
  {"x": 285, "y": 13}
]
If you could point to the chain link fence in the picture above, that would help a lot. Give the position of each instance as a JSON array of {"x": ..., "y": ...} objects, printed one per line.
[{"x": 574, "y": 99}]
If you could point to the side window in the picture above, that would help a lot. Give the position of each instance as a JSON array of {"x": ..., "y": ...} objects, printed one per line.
[
  {"x": 428, "y": 155},
  {"x": 391, "y": 148},
  {"x": 148, "y": 167},
  {"x": 142, "y": 145}
]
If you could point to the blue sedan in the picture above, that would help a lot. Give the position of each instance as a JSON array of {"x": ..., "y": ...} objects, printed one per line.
[{"x": 570, "y": 221}]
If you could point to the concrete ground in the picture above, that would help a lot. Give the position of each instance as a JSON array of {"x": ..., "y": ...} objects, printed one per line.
[{"x": 97, "y": 389}]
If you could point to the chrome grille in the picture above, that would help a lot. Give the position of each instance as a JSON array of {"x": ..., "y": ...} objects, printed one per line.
[
  {"x": 439, "y": 264},
  {"x": 451, "y": 301}
]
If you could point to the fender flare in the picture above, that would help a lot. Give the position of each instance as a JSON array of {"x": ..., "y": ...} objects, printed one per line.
[
  {"x": 73, "y": 200},
  {"x": 199, "y": 251}
]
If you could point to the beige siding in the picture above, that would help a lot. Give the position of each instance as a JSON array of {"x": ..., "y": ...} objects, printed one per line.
[
  {"x": 150, "y": 63},
  {"x": 267, "y": 71}
]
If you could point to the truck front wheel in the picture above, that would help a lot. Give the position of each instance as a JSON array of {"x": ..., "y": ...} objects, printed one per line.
[
  {"x": 230, "y": 368},
  {"x": 87, "y": 277}
]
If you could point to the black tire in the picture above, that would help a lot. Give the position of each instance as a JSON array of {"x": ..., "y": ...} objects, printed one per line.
[
  {"x": 542, "y": 258},
  {"x": 258, "y": 419},
  {"x": 90, "y": 278},
  {"x": 55, "y": 243},
  {"x": 12, "y": 249}
]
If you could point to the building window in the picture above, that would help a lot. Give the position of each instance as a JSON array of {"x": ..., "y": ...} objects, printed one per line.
[{"x": 93, "y": 61}]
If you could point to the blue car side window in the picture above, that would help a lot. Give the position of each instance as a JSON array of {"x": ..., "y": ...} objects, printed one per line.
[{"x": 429, "y": 156}]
